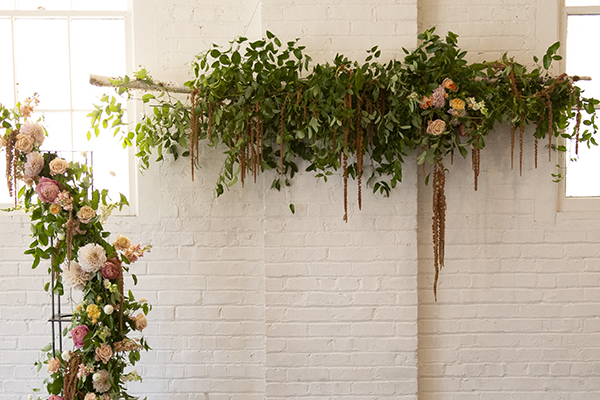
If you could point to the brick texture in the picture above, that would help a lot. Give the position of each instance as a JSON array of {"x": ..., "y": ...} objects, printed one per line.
[{"x": 252, "y": 302}]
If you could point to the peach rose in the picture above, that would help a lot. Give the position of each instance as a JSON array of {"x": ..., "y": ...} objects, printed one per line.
[
  {"x": 436, "y": 127},
  {"x": 53, "y": 365},
  {"x": 103, "y": 353},
  {"x": 426, "y": 102},
  {"x": 85, "y": 214},
  {"x": 449, "y": 84},
  {"x": 140, "y": 322}
]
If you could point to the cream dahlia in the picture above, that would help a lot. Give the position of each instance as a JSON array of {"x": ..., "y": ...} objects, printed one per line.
[
  {"x": 75, "y": 277},
  {"x": 91, "y": 257}
]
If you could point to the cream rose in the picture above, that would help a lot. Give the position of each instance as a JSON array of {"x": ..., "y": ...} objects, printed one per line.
[
  {"x": 122, "y": 242},
  {"x": 24, "y": 143},
  {"x": 85, "y": 214},
  {"x": 58, "y": 166},
  {"x": 436, "y": 127}
]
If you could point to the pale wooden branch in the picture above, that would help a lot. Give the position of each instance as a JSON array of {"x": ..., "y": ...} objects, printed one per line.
[{"x": 104, "y": 81}]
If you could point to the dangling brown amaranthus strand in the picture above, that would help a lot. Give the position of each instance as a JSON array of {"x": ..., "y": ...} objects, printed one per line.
[
  {"x": 359, "y": 149},
  {"x": 475, "y": 158},
  {"x": 194, "y": 129},
  {"x": 577, "y": 126},
  {"x": 536, "y": 151},
  {"x": 550, "y": 131},
  {"x": 209, "y": 120},
  {"x": 439, "y": 221},
  {"x": 512, "y": 145},
  {"x": 345, "y": 157},
  {"x": 253, "y": 150},
  {"x": 521, "y": 131}
]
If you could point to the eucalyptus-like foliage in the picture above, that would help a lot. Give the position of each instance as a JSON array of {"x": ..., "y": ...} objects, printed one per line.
[{"x": 264, "y": 102}]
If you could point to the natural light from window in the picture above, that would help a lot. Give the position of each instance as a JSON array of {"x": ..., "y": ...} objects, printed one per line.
[
  {"x": 582, "y": 170},
  {"x": 54, "y": 54}
]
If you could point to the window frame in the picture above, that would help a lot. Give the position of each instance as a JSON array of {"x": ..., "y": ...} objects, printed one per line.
[
  {"x": 583, "y": 203},
  {"x": 126, "y": 15}
]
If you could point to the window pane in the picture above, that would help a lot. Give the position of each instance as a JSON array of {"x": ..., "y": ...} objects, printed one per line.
[
  {"x": 97, "y": 47},
  {"x": 43, "y": 4},
  {"x": 575, "y": 3},
  {"x": 58, "y": 125},
  {"x": 7, "y": 4},
  {"x": 42, "y": 54},
  {"x": 582, "y": 176},
  {"x": 581, "y": 60},
  {"x": 7, "y": 96},
  {"x": 110, "y": 160},
  {"x": 106, "y": 5}
]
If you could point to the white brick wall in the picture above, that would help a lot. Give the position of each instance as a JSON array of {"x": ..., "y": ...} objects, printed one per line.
[{"x": 252, "y": 302}]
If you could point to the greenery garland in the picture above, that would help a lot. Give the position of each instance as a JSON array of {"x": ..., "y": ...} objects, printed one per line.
[
  {"x": 67, "y": 215},
  {"x": 262, "y": 103}
]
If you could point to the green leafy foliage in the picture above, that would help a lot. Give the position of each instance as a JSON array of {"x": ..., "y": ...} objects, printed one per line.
[{"x": 262, "y": 102}]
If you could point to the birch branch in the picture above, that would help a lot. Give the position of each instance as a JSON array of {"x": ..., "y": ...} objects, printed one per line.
[{"x": 104, "y": 81}]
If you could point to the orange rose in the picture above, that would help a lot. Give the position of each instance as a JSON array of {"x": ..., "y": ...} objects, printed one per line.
[{"x": 449, "y": 84}]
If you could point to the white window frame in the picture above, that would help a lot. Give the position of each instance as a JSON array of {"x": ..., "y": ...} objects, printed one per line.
[
  {"x": 573, "y": 204},
  {"x": 126, "y": 15}
]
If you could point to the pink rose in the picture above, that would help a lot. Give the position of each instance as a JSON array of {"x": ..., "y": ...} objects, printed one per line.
[
  {"x": 78, "y": 333},
  {"x": 47, "y": 190},
  {"x": 111, "y": 269},
  {"x": 55, "y": 397}
]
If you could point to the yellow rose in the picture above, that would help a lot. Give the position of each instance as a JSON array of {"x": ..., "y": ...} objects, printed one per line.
[
  {"x": 457, "y": 104},
  {"x": 55, "y": 209},
  {"x": 122, "y": 242},
  {"x": 93, "y": 311}
]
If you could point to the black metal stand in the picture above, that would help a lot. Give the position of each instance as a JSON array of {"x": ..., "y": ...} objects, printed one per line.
[{"x": 57, "y": 316}]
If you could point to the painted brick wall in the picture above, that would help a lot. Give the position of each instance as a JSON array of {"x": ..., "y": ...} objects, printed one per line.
[{"x": 251, "y": 302}]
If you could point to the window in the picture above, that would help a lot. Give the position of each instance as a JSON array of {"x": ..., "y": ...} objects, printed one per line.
[
  {"x": 582, "y": 27},
  {"x": 50, "y": 47}
]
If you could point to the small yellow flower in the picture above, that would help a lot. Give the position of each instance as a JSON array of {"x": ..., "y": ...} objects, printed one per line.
[
  {"x": 457, "y": 104},
  {"x": 93, "y": 312},
  {"x": 55, "y": 209}
]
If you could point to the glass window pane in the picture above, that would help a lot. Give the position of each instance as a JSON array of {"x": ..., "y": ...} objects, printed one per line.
[
  {"x": 110, "y": 160},
  {"x": 581, "y": 179},
  {"x": 58, "y": 126},
  {"x": 7, "y": 4},
  {"x": 41, "y": 60},
  {"x": 4, "y": 198},
  {"x": 7, "y": 96},
  {"x": 575, "y": 3},
  {"x": 580, "y": 60},
  {"x": 88, "y": 57},
  {"x": 43, "y": 4},
  {"x": 106, "y": 5}
]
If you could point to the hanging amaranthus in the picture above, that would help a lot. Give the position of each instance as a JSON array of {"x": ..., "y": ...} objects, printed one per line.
[{"x": 439, "y": 221}]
